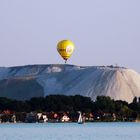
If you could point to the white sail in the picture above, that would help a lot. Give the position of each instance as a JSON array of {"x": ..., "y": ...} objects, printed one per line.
[{"x": 80, "y": 119}]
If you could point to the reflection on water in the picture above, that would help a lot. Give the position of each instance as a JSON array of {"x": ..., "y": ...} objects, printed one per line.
[{"x": 70, "y": 131}]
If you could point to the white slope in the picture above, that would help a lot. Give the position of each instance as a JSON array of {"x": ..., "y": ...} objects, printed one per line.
[{"x": 118, "y": 83}]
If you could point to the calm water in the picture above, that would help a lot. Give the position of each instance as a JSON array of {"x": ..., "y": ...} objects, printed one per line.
[{"x": 70, "y": 131}]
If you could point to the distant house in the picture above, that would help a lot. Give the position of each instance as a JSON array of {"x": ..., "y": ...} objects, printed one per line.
[
  {"x": 42, "y": 117},
  {"x": 65, "y": 118},
  {"x": 89, "y": 117},
  {"x": 53, "y": 117},
  {"x": 13, "y": 118},
  {"x": 7, "y": 116},
  {"x": 31, "y": 117}
]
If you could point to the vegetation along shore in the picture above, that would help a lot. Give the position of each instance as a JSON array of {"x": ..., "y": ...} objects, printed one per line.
[{"x": 61, "y": 108}]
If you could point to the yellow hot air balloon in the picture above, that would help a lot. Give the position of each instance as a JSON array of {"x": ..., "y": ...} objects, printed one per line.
[{"x": 65, "y": 49}]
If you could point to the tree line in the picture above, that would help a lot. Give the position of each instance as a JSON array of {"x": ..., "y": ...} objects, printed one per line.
[{"x": 75, "y": 103}]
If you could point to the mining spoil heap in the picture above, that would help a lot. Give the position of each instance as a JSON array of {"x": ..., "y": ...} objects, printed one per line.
[{"x": 25, "y": 82}]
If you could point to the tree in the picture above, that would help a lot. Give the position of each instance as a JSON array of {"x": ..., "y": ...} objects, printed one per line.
[
  {"x": 105, "y": 104},
  {"x": 135, "y": 100}
]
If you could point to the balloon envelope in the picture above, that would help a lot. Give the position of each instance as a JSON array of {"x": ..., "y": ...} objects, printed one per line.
[{"x": 65, "y": 48}]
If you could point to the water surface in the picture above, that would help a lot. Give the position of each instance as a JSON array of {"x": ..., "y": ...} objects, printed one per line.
[{"x": 70, "y": 131}]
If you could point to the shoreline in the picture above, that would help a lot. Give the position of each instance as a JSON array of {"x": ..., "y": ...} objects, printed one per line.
[{"x": 137, "y": 121}]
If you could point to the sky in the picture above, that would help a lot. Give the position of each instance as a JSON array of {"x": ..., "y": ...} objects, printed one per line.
[{"x": 105, "y": 32}]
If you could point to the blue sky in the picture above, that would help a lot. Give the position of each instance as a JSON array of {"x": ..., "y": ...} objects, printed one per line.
[{"x": 105, "y": 32}]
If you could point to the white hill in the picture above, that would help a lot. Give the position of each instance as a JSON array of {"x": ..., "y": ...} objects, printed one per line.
[{"x": 40, "y": 80}]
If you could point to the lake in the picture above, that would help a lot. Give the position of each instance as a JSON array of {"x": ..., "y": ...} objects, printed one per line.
[{"x": 70, "y": 131}]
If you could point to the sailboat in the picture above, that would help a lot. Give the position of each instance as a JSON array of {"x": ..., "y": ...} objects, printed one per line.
[{"x": 80, "y": 119}]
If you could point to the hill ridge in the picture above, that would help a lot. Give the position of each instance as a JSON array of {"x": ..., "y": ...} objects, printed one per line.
[{"x": 119, "y": 83}]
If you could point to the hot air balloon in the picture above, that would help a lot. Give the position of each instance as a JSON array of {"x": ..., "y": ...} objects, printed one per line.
[{"x": 65, "y": 49}]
